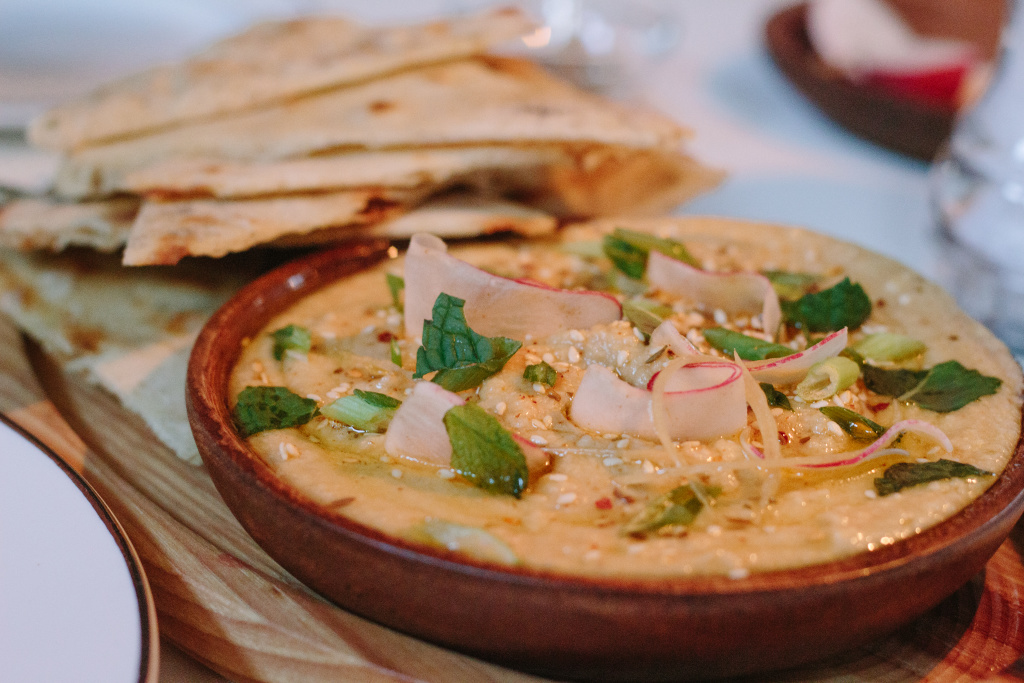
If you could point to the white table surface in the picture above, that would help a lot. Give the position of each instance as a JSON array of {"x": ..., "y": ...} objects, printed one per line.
[{"x": 786, "y": 162}]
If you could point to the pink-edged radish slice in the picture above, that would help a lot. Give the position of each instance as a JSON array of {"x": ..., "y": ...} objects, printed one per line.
[
  {"x": 495, "y": 306},
  {"x": 878, "y": 448},
  {"x": 666, "y": 335},
  {"x": 417, "y": 430},
  {"x": 701, "y": 400},
  {"x": 792, "y": 369},
  {"x": 734, "y": 293},
  {"x": 865, "y": 38}
]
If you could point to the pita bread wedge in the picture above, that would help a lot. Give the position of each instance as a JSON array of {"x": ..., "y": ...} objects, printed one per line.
[
  {"x": 402, "y": 168},
  {"x": 41, "y": 223},
  {"x": 628, "y": 182},
  {"x": 129, "y": 330},
  {"x": 471, "y": 102},
  {"x": 268, "y": 63},
  {"x": 166, "y": 232},
  {"x": 456, "y": 215}
]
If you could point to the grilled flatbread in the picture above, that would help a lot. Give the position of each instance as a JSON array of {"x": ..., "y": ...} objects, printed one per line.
[
  {"x": 407, "y": 168},
  {"x": 459, "y": 215},
  {"x": 40, "y": 223},
  {"x": 268, "y": 63},
  {"x": 471, "y": 102},
  {"x": 166, "y": 232}
]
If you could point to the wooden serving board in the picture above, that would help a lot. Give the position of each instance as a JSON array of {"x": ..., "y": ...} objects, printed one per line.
[{"x": 221, "y": 599}]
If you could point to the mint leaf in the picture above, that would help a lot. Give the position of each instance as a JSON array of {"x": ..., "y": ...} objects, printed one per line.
[
  {"x": 462, "y": 358},
  {"x": 395, "y": 285},
  {"x": 950, "y": 386},
  {"x": 484, "y": 452},
  {"x": 261, "y": 408},
  {"x": 629, "y": 259},
  {"x": 748, "y": 348},
  {"x": 541, "y": 373},
  {"x": 944, "y": 388},
  {"x": 789, "y": 285},
  {"x": 678, "y": 507},
  {"x": 890, "y": 382},
  {"x": 904, "y": 474},
  {"x": 291, "y": 337},
  {"x": 776, "y": 399},
  {"x": 853, "y": 423},
  {"x": 843, "y": 305}
]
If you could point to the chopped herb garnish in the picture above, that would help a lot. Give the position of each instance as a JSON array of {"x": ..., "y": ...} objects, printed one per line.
[
  {"x": 678, "y": 507},
  {"x": 291, "y": 338},
  {"x": 853, "y": 423},
  {"x": 261, "y": 408},
  {"x": 541, "y": 373},
  {"x": 645, "y": 314},
  {"x": 748, "y": 348},
  {"x": 888, "y": 346},
  {"x": 776, "y": 399},
  {"x": 894, "y": 382},
  {"x": 627, "y": 258},
  {"x": 904, "y": 474},
  {"x": 462, "y": 358},
  {"x": 950, "y": 386},
  {"x": 396, "y": 352},
  {"x": 368, "y": 411},
  {"x": 843, "y": 305},
  {"x": 944, "y": 388},
  {"x": 395, "y": 285},
  {"x": 628, "y": 250},
  {"x": 648, "y": 243},
  {"x": 789, "y": 285},
  {"x": 484, "y": 452}
]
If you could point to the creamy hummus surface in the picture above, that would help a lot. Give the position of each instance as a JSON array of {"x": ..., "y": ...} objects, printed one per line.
[{"x": 583, "y": 512}]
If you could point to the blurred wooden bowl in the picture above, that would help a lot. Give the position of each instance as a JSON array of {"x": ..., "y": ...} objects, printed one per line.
[
  {"x": 562, "y": 626},
  {"x": 912, "y": 127}
]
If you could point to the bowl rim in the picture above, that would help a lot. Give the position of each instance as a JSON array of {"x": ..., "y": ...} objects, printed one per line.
[{"x": 218, "y": 346}]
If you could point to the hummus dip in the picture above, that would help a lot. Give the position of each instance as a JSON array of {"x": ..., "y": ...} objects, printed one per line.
[{"x": 670, "y": 489}]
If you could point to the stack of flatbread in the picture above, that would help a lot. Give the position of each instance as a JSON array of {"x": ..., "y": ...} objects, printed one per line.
[
  {"x": 318, "y": 129},
  {"x": 298, "y": 133}
]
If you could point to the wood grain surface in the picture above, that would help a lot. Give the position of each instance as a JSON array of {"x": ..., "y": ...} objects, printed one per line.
[{"x": 222, "y": 600}]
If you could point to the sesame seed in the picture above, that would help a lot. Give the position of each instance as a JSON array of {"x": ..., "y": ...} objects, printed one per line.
[
  {"x": 904, "y": 299},
  {"x": 369, "y": 329},
  {"x": 548, "y": 421},
  {"x": 647, "y": 467},
  {"x": 819, "y": 404},
  {"x": 720, "y": 316},
  {"x": 777, "y": 411},
  {"x": 610, "y": 437},
  {"x": 611, "y": 462},
  {"x": 446, "y": 474},
  {"x": 500, "y": 408},
  {"x": 394, "y": 320},
  {"x": 396, "y": 473},
  {"x": 576, "y": 335},
  {"x": 548, "y": 358},
  {"x": 585, "y": 441},
  {"x": 538, "y": 440},
  {"x": 737, "y": 573},
  {"x": 385, "y": 458},
  {"x": 354, "y": 372},
  {"x": 714, "y": 530},
  {"x": 566, "y": 498},
  {"x": 870, "y": 493},
  {"x": 622, "y": 443},
  {"x": 537, "y": 424},
  {"x": 574, "y": 355},
  {"x": 532, "y": 358},
  {"x": 292, "y": 450},
  {"x": 281, "y": 451},
  {"x": 558, "y": 477},
  {"x": 538, "y": 387},
  {"x": 314, "y": 397}
]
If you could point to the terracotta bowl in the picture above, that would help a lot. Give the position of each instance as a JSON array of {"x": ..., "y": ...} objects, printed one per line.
[
  {"x": 555, "y": 625},
  {"x": 917, "y": 129}
]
